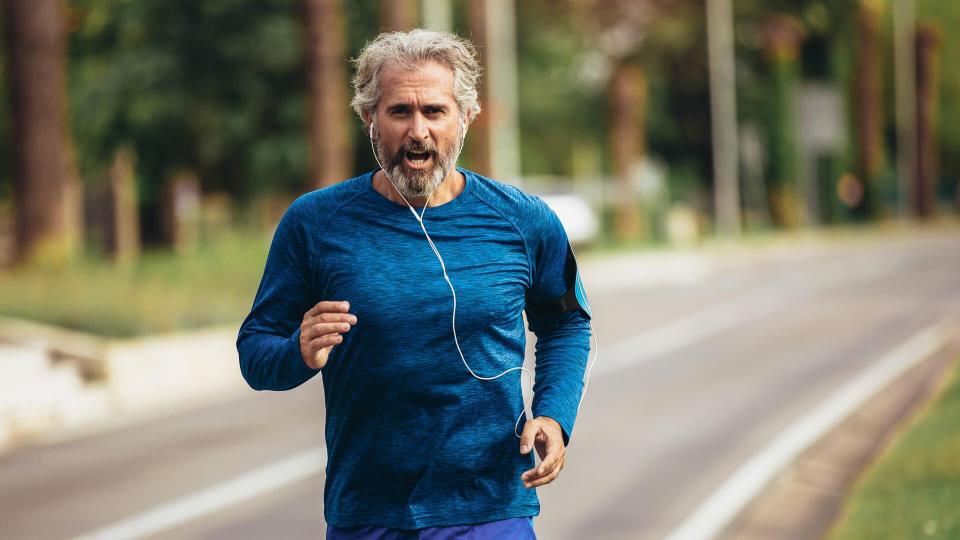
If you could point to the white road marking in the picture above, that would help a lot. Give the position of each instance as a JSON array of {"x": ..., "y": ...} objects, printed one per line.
[
  {"x": 242, "y": 488},
  {"x": 759, "y": 303},
  {"x": 631, "y": 351},
  {"x": 723, "y": 504}
]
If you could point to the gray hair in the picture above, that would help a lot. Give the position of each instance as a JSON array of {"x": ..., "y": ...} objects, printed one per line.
[{"x": 407, "y": 50}]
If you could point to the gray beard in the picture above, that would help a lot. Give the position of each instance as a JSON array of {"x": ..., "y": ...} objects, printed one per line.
[{"x": 417, "y": 184}]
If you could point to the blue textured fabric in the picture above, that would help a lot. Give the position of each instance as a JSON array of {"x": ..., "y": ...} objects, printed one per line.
[
  {"x": 513, "y": 528},
  {"x": 413, "y": 440}
]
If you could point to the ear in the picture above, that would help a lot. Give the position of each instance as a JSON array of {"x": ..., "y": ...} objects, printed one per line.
[{"x": 367, "y": 121}]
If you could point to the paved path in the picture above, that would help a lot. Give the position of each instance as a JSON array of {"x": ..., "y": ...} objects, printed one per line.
[{"x": 694, "y": 377}]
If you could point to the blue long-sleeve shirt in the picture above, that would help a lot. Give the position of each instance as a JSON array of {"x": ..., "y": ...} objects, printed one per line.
[{"x": 414, "y": 440}]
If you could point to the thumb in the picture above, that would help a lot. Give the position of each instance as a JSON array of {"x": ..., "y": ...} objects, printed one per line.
[
  {"x": 320, "y": 357},
  {"x": 530, "y": 430}
]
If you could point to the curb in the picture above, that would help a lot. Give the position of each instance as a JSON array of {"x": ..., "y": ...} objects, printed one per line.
[
  {"x": 805, "y": 498},
  {"x": 107, "y": 381}
]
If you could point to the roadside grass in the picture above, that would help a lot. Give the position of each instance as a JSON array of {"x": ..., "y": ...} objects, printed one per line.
[
  {"x": 216, "y": 282},
  {"x": 913, "y": 489},
  {"x": 213, "y": 284}
]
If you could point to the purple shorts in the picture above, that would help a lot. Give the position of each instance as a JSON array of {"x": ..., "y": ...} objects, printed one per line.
[{"x": 514, "y": 529}]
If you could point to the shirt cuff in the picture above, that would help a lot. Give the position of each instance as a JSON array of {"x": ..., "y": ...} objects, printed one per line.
[{"x": 295, "y": 358}]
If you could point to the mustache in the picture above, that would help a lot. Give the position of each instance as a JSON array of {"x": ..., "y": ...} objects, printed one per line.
[{"x": 419, "y": 147}]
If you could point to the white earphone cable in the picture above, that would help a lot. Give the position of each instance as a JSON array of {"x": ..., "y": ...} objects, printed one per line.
[{"x": 453, "y": 292}]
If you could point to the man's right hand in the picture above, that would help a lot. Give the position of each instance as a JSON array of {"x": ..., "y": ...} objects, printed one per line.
[{"x": 320, "y": 331}]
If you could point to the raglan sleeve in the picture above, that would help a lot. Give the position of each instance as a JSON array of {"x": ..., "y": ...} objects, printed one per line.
[
  {"x": 558, "y": 313},
  {"x": 268, "y": 342}
]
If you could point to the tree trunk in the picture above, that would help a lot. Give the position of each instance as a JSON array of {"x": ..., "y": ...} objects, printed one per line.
[
  {"x": 41, "y": 171},
  {"x": 928, "y": 84},
  {"x": 868, "y": 104},
  {"x": 330, "y": 140},
  {"x": 783, "y": 36},
  {"x": 479, "y": 141},
  {"x": 723, "y": 117},
  {"x": 398, "y": 15},
  {"x": 180, "y": 211},
  {"x": 124, "y": 215},
  {"x": 628, "y": 101}
]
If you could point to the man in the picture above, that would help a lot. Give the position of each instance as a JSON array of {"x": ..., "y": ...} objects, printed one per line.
[{"x": 415, "y": 321}]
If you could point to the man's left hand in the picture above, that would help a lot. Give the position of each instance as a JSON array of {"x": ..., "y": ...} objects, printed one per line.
[{"x": 545, "y": 434}]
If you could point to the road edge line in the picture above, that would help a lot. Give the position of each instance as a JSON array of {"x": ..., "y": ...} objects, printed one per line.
[
  {"x": 724, "y": 503},
  {"x": 213, "y": 499}
]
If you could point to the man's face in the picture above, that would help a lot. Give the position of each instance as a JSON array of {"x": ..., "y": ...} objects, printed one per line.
[{"x": 417, "y": 128}]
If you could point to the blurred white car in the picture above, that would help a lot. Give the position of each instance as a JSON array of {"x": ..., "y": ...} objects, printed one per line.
[{"x": 576, "y": 215}]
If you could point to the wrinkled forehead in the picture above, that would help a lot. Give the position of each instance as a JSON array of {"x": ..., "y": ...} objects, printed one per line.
[{"x": 426, "y": 82}]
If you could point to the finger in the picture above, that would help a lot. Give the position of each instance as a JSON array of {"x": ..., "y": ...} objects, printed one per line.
[
  {"x": 323, "y": 342},
  {"x": 530, "y": 430},
  {"x": 546, "y": 468},
  {"x": 533, "y": 475},
  {"x": 329, "y": 305},
  {"x": 331, "y": 317},
  {"x": 549, "y": 462},
  {"x": 323, "y": 329},
  {"x": 555, "y": 453},
  {"x": 540, "y": 443},
  {"x": 543, "y": 480}
]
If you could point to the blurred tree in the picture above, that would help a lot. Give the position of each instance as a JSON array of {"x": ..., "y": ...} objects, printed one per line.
[
  {"x": 723, "y": 118},
  {"x": 648, "y": 57},
  {"x": 34, "y": 31},
  {"x": 495, "y": 140},
  {"x": 218, "y": 89},
  {"x": 568, "y": 53},
  {"x": 868, "y": 104},
  {"x": 480, "y": 148},
  {"x": 628, "y": 101},
  {"x": 398, "y": 15},
  {"x": 123, "y": 229},
  {"x": 946, "y": 15},
  {"x": 330, "y": 136},
  {"x": 783, "y": 37},
  {"x": 783, "y": 47},
  {"x": 928, "y": 85}
]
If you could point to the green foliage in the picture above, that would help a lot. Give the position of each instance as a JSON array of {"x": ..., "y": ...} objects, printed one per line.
[
  {"x": 913, "y": 490},
  {"x": 562, "y": 91},
  {"x": 218, "y": 86},
  {"x": 162, "y": 292},
  {"x": 946, "y": 16},
  {"x": 215, "y": 86}
]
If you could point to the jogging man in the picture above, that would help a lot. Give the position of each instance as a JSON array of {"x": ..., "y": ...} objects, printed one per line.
[{"x": 405, "y": 287}]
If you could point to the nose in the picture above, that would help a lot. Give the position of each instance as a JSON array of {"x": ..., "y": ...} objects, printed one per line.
[{"x": 418, "y": 129}]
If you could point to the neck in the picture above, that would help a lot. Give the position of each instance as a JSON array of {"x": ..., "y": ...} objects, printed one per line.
[{"x": 447, "y": 191}]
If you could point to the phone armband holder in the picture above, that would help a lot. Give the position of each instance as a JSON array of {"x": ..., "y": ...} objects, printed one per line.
[{"x": 574, "y": 298}]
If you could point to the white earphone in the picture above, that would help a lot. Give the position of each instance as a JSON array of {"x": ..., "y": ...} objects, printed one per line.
[{"x": 453, "y": 292}]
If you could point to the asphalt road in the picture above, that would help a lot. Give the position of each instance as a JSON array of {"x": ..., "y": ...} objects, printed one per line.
[{"x": 692, "y": 380}]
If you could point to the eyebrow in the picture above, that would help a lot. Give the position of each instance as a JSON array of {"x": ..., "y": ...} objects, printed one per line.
[{"x": 397, "y": 107}]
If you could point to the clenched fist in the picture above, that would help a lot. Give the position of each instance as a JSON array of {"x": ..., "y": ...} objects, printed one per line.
[{"x": 320, "y": 331}]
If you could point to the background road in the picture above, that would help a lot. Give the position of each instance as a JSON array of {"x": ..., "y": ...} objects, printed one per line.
[{"x": 693, "y": 378}]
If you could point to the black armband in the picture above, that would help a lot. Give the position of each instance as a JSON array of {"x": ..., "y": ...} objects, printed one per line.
[{"x": 574, "y": 298}]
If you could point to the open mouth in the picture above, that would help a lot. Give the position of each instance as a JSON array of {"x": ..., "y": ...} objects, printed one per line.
[{"x": 417, "y": 158}]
